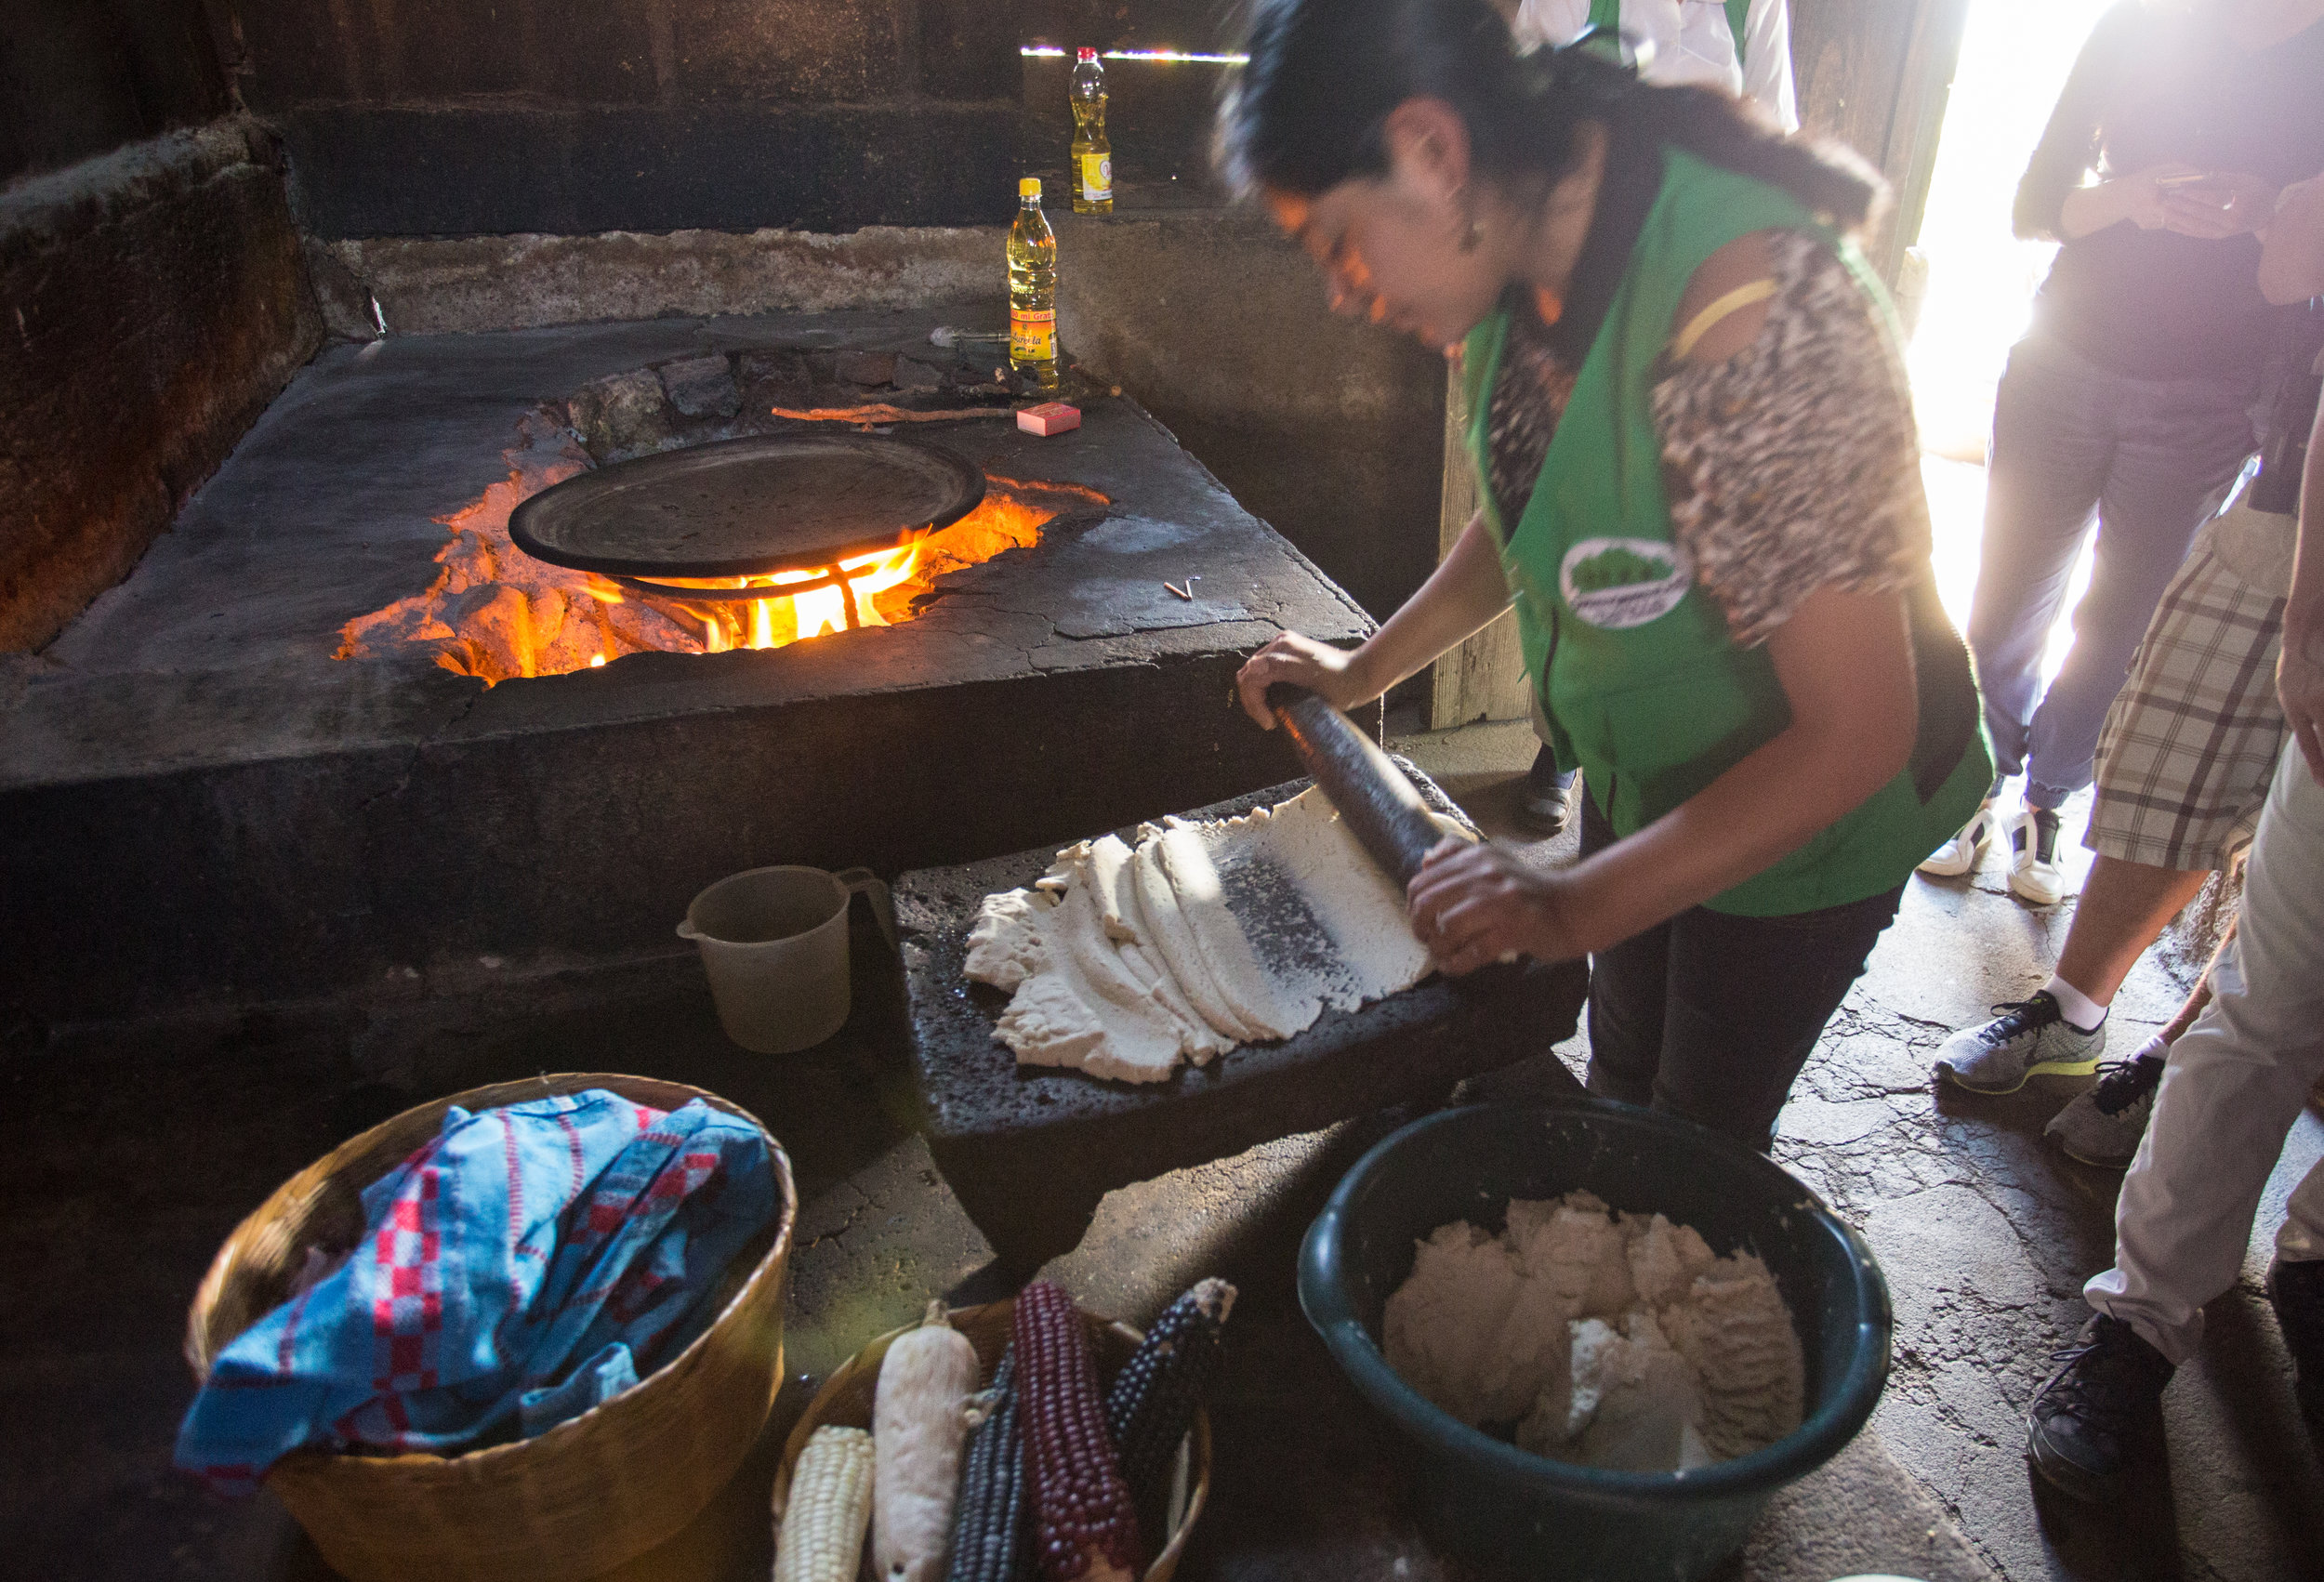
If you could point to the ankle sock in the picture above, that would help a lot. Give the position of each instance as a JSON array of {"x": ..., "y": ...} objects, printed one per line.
[
  {"x": 2082, "y": 1014},
  {"x": 2156, "y": 1044}
]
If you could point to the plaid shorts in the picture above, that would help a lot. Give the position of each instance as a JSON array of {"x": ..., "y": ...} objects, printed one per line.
[{"x": 2191, "y": 742}]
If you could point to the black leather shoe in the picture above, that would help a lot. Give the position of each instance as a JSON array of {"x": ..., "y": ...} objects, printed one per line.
[
  {"x": 1547, "y": 805},
  {"x": 2099, "y": 1412},
  {"x": 2296, "y": 1291}
]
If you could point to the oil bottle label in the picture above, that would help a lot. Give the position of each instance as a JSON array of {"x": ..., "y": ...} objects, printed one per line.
[
  {"x": 1097, "y": 178},
  {"x": 1033, "y": 334}
]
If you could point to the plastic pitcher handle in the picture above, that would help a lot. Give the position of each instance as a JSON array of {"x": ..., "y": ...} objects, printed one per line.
[{"x": 873, "y": 889}]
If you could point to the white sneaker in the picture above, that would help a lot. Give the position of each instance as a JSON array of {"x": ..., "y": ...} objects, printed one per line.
[
  {"x": 1960, "y": 855},
  {"x": 2034, "y": 875}
]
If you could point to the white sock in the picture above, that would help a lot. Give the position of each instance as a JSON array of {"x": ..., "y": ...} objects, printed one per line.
[
  {"x": 2156, "y": 1044},
  {"x": 2082, "y": 1014}
]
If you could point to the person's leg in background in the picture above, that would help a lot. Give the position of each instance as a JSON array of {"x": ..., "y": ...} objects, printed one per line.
[
  {"x": 2104, "y": 1125},
  {"x": 2179, "y": 445},
  {"x": 2184, "y": 766},
  {"x": 2060, "y": 1029},
  {"x": 2053, "y": 440},
  {"x": 2234, "y": 1085},
  {"x": 2053, "y": 444}
]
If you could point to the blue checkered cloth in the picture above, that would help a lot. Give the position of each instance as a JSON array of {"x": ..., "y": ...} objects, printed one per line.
[{"x": 527, "y": 1264}]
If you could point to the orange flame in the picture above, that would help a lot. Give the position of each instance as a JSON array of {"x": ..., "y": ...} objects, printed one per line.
[{"x": 497, "y": 613}]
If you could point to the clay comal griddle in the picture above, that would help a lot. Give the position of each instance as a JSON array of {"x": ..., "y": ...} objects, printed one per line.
[
  {"x": 746, "y": 508},
  {"x": 1029, "y": 1151}
]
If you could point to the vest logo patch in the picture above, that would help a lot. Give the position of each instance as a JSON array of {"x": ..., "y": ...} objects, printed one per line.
[{"x": 1620, "y": 583}]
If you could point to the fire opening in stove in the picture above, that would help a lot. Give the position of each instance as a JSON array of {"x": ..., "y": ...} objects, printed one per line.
[{"x": 497, "y": 613}]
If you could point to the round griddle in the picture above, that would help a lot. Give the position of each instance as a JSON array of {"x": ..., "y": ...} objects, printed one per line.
[{"x": 742, "y": 508}]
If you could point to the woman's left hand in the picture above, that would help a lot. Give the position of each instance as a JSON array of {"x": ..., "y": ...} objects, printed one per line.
[{"x": 1474, "y": 903}]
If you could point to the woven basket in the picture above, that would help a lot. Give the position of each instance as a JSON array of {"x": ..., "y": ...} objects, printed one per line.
[
  {"x": 589, "y": 1494},
  {"x": 846, "y": 1399}
]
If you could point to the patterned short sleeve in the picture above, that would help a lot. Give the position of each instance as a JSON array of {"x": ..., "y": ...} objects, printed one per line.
[{"x": 1795, "y": 463}]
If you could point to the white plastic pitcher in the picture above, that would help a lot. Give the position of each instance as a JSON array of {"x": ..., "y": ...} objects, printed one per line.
[{"x": 774, "y": 943}]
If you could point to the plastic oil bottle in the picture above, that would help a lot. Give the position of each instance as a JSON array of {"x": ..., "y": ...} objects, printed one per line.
[
  {"x": 1092, "y": 155},
  {"x": 1033, "y": 290}
]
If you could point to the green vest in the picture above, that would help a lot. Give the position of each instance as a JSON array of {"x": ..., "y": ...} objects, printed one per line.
[
  {"x": 1641, "y": 685},
  {"x": 1608, "y": 14}
]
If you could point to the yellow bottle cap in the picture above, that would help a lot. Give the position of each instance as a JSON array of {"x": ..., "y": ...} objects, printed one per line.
[{"x": 1029, "y": 188}]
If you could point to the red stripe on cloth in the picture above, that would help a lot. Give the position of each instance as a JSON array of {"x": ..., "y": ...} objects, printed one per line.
[
  {"x": 572, "y": 1147},
  {"x": 516, "y": 1204}
]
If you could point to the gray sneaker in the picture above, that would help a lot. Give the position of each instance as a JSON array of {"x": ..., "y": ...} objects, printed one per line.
[
  {"x": 2029, "y": 1038},
  {"x": 2103, "y": 1125}
]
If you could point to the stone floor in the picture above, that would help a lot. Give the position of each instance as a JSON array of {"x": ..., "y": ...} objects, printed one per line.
[{"x": 132, "y": 1158}]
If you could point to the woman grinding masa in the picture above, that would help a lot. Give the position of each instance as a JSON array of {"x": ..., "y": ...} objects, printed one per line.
[{"x": 1703, "y": 497}]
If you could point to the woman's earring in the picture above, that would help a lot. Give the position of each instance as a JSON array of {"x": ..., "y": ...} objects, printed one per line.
[{"x": 1470, "y": 234}]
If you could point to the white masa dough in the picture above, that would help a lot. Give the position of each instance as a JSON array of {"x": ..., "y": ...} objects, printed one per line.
[
  {"x": 1124, "y": 962},
  {"x": 1615, "y": 1340}
]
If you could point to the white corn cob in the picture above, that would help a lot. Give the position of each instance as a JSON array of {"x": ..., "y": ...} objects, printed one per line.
[
  {"x": 920, "y": 1417},
  {"x": 821, "y": 1539}
]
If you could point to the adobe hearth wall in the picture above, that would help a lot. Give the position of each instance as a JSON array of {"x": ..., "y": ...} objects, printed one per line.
[{"x": 152, "y": 300}]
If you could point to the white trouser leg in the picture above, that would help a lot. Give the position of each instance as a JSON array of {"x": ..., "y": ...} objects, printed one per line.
[{"x": 2234, "y": 1085}]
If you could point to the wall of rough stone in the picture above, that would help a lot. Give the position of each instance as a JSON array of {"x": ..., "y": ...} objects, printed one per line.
[
  {"x": 447, "y": 118},
  {"x": 155, "y": 301},
  {"x": 82, "y": 77},
  {"x": 470, "y": 285}
]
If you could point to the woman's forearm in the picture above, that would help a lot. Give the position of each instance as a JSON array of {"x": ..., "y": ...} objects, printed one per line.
[
  {"x": 2292, "y": 261},
  {"x": 1463, "y": 594},
  {"x": 2089, "y": 209}
]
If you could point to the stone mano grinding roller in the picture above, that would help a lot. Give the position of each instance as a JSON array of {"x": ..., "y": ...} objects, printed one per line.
[{"x": 1381, "y": 808}]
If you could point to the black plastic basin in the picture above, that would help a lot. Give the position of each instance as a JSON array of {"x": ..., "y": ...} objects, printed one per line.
[{"x": 1522, "y": 1514}]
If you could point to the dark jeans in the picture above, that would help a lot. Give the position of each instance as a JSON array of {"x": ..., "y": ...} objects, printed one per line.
[
  {"x": 2152, "y": 457},
  {"x": 1711, "y": 1016}
]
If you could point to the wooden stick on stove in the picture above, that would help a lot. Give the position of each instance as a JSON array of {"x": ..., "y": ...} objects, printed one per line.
[{"x": 1383, "y": 809}]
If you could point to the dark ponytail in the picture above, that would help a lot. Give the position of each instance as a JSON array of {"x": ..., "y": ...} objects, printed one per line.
[{"x": 1310, "y": 109}]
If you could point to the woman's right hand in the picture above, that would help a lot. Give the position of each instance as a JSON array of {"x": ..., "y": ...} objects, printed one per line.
[
  {"x": 2137, "y": 197},
  {"x": 1330, "y": 673}
]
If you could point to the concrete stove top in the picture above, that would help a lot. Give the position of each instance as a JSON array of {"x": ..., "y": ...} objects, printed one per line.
[{"x": 198, "y": 802}]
